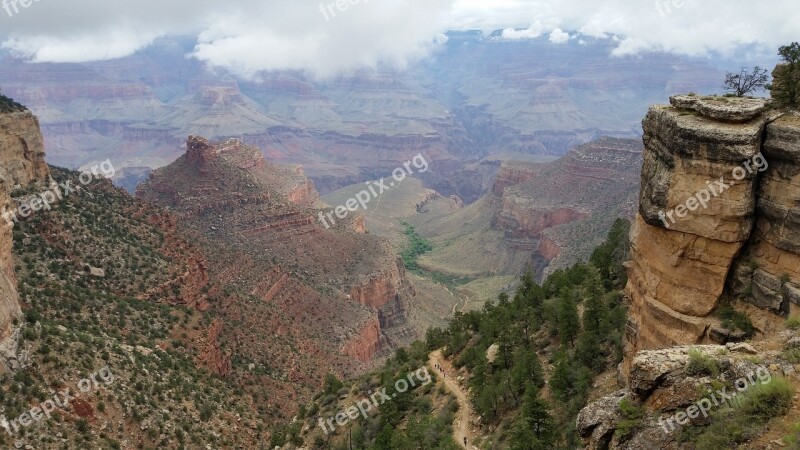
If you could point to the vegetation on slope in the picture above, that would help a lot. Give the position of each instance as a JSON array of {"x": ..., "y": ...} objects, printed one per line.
[
  {"x": 421, "y": 417},
  {"x": 8, "y": 105},
  {"x": 541, "y": 325},
  {"x": 529, "y": 394},
  {"x": 77, "y": 322},
  {"x": 417, "y": 245}
]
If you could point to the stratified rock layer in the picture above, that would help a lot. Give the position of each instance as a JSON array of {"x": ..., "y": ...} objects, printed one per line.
[{"x": 742, "y": 241}]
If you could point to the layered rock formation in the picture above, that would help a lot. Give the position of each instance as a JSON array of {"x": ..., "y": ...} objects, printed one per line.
[
  {"x": 717, "y": 219},
  {"x": 21, "y": 163},
  {"x": 544, "y": 206},
  {"x": 256, "y": 222},
  {"x": 480, "y": 97}
]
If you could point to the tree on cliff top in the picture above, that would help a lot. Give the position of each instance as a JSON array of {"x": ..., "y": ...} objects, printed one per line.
[
  {"x": 745, "y": 82},
  {"x": 8, "y": 105},
  {"x": 785, "y": 86}
]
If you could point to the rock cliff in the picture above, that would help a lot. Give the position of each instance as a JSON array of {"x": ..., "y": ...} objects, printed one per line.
[
  {"x": 717, "y": 221},
  {"x": 21, "y": 163}
]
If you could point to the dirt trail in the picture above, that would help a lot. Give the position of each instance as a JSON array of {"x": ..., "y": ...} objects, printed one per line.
[
  {"x": 465, "y": 415},
  {"x": 459, "y": 299}
]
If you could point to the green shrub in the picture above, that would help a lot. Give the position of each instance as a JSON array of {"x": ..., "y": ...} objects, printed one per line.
[
  {"x": 793, "y": 440},
  {"x": 792, "y": 355},
  {"x": 632, "y": 416},
  {"x": 8, "y": 105},
  {"x": 793, "y": 323},
  {"x": 735, "y": 320},
  {"x": 765, "y": 401},
  {"x": 701, "y": 364},
  {"x": 747, "y": 416}
]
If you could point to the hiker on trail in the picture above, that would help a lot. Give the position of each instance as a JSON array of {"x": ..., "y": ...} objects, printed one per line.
[{"x": 465, "y": 441}]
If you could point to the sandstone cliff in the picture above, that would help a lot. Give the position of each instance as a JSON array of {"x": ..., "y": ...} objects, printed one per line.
[
  {"x": 717, "y": 219},
  {"x": 21, "y": 163}
]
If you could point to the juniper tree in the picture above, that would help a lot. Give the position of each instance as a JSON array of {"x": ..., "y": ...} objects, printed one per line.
[
  {"x": 746, "y": 81},
  {"x": 785, "y": 87}
]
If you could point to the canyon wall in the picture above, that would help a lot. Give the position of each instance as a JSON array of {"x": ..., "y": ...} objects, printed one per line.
[
  {"x": 717, "y": 220},
  {"x": 560, "y": 210},
  {"x": 21, "y": 163}
]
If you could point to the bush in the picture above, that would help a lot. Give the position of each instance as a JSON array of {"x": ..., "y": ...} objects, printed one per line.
[
  {"x": 8, "y": 105},
  {"x": 632, "y": 416},
  {"x": 793, "y": 323},
  {"x": 735, "y": 425},
  {"x": 793, "y": 439},
  {"x": 735, "y": 320},
  {"x": 701, "y": 364},
  {"x": 765, "y": 401},
  {"x": 792, "y": 355}
]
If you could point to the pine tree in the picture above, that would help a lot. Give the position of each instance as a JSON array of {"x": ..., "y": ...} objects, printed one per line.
[
  {"x": 568, "y": 321},
  {"x": 590, "y": 352},
  {"x": 534, "y": 428},
  {"x": 560, "y": 382},
  {"x": 527, "y": 370}
]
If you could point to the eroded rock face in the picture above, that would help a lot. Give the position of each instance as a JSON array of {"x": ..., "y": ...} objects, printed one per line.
[
  {"x": 733, "y": 109},
  {"x": 661, "y": 384},
  {"x": 719, "y": 216},
  {"x": 768, "y": 272},
  {"x": 21, "y": 163}
]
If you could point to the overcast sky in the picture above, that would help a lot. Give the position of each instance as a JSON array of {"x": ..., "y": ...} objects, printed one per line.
[{"x": 248, "y": 36}]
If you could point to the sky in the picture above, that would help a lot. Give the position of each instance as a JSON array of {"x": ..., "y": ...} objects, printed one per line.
[{"x": 330, "y": 38}]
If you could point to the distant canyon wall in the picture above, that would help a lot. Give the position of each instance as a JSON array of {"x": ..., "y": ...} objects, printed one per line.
[{"x": 560, "y": 210}]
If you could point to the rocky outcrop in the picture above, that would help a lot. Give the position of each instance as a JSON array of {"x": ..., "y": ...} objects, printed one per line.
[
  {"x": 21, "y": 163},
  {"x": 768, "y": 272},
  {"x": 211, "y": 355},
  {"x": 718, "y": 218},
  {"x": 661, "y": 383},
  {"x": 728, "y": 109},
  {"x": 366, "y": 345},
  {"x": 379, "y": 288},
  {"x": 511, "y": 175}
]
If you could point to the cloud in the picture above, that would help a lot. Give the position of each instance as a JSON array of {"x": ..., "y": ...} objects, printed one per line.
[
  {"x": 688, "y": 27},
  {"x": 532, "y": 32},
  {"x": 250, "y": 36},
  {"x": 247, "y": 37},
  {"x": 559, "y": 36}
]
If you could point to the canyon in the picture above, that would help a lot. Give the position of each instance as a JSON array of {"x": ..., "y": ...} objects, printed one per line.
[{"x": 478, "y": 97}]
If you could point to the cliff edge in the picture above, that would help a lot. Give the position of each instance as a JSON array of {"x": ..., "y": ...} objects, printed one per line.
[{"x": 21, "y": 163}]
